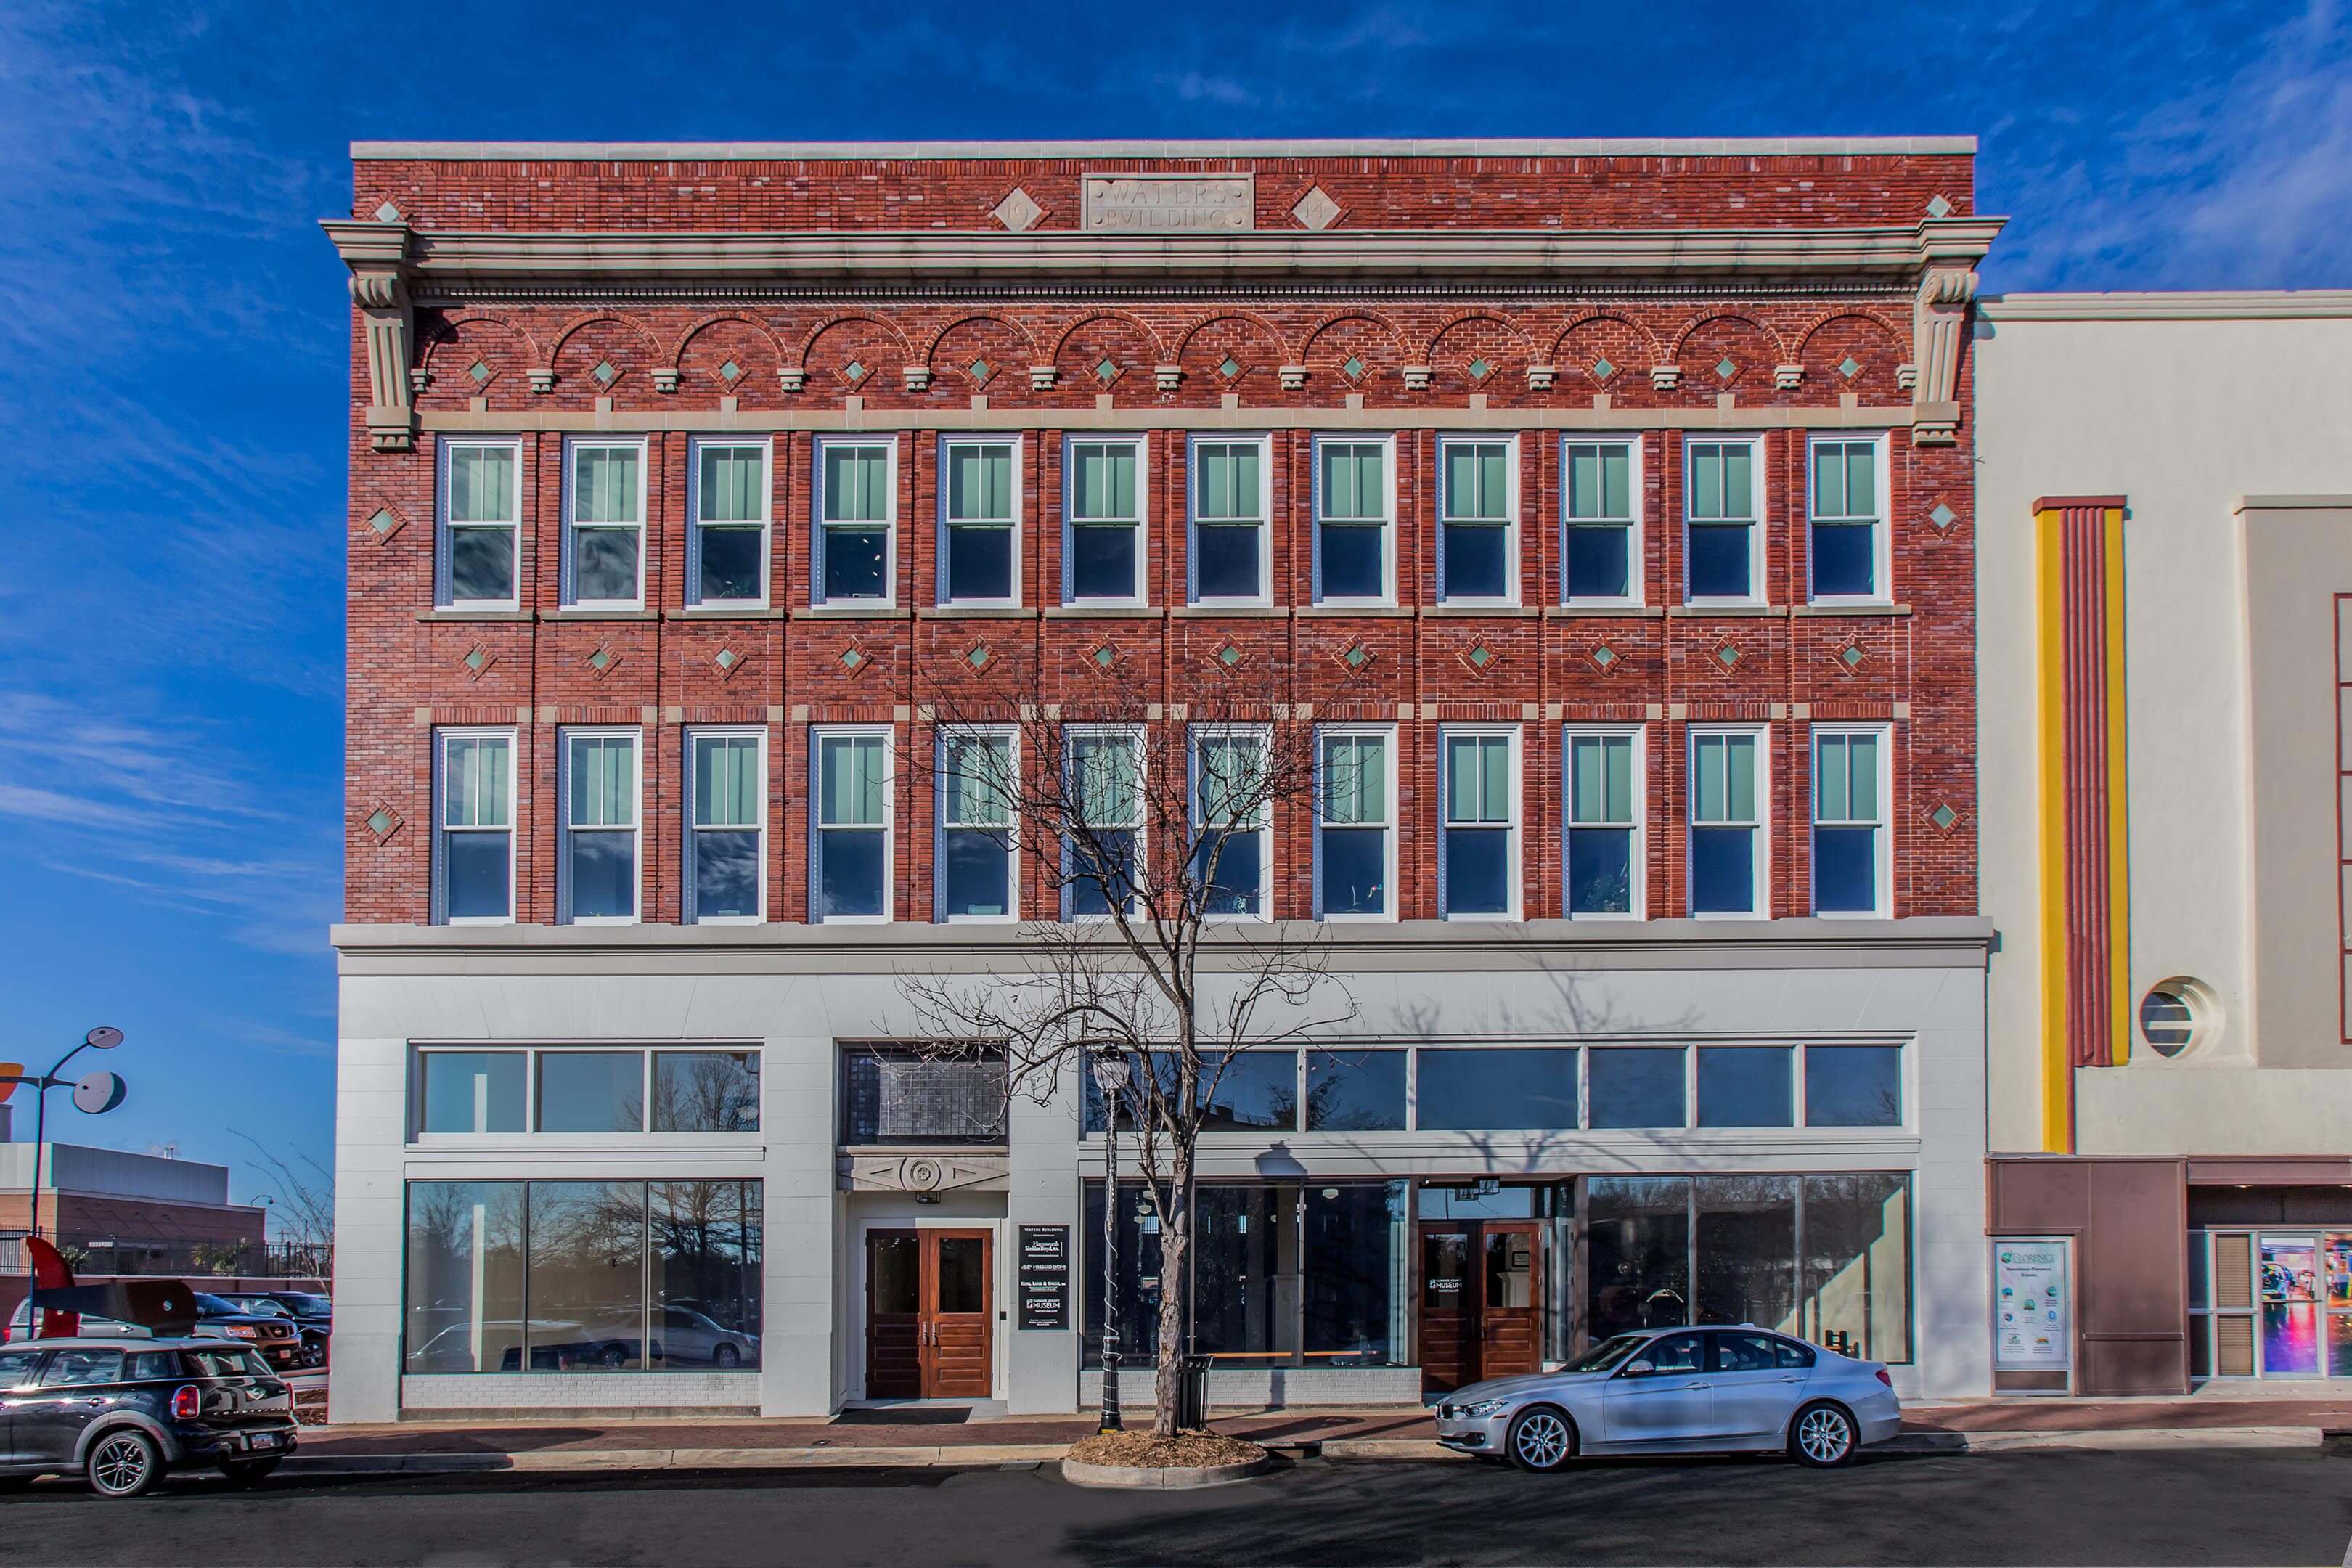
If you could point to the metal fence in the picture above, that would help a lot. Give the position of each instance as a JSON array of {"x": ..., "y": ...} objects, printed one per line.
[{"x": 176, "y": 1257}]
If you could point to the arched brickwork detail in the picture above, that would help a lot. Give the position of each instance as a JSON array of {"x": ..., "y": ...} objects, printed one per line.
[
  {"x": 1338, "y": 318},
  {"x": 686, "y": 339},
  {"x": 1248, "y": 341},
  {"x": 1595, "y": 326},
  {"x": 1752, "y": 349},
  {"x": 1719, "y": 325},
  {"x": 649, "y": 352},
  {"x": 1150, "y": 338},
  {"x": 1874, "y": 349},
  {"x": 1478, "y": 337},
  {"x": 711, "y": 344},
  {"x": 980, "y": 324},
  {"x": 1628, "y": 347},
  {"x": 451, "y": 346},
  {"x": 872, "y": 342},
  {"x": 1223, "y": 325},
  {"x": 1007, "y": 348}
]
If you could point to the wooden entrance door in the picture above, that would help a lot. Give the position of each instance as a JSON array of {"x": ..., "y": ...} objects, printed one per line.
[
  {"x": 930, "y": 1296},
  {"x": 1481, "y": 1301}
]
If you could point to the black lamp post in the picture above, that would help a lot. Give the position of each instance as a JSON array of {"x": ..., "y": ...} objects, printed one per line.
[
  {"x": 1110, "y": 1077},
  {"x": 95, "y": 1092}
]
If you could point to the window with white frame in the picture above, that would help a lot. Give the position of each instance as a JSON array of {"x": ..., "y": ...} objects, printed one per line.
[
  {"x": 1726, "y": 822},
  {"x": 1601, "y": 554},
  {"x": 1479, "y": 870},
  {"x": 481, "y": 515},
  {"x": 979, "y": 792},
  {"x": 1851, "y": 841},
  {"x": 856, "y": 501},
  {"x": 1102, "y": 549},
  {"x": 1230, "y": 504},
  {"x": 1477, "y": 523},
  {"x": 1604, "y": 823},
  {"x": 1354, "y": 513},
  {"x": 1232, "y": 821},
  {"x": 726, "y": 836},
  {"x": 1849, "y": 511},
  {"x": 473, "y": 832},
  {"x": 980, "y": 505},
  {"x": 603, "y": 523},
  {"x": 1101, "y": 856},
  {"x": 729, "y": 542},
  {"x": 1722, "y": 513},
  {"x": 849, "y": 875},
  {"x": 597, "y": 879},
  {"x": 1355, "y": 825}
]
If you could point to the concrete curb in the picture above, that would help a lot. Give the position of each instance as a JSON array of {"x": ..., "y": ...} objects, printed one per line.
[{"x": 1163, "y": 1478}]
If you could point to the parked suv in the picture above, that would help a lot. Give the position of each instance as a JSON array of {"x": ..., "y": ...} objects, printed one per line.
[
  {"x": 123, "y": 1412},
  {"x": 312, "y": 1318},
  {"x": 276, "y": 1336}
]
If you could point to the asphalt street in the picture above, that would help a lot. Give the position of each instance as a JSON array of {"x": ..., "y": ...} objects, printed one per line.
[{"x": 2048, "y": 1507}]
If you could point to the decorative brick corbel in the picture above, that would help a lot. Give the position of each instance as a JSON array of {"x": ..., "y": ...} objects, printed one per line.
[
  {"x": 1168, "y": 377},
  {"x": 1041, "y": 377},
  {"x": 666, "y": 378},
  {"x": 1788, "y": 377},
  {"x": 790, "y": 377},
  {"x": 1541, "y": 377},
  {"x": 1938, "y": 315},
  {"x": 1906, "y": 377},
  {"x": 541, "y": 380},
  {"x": 1416, "y": 377},
  {"x": 1665, "y": 377},
  {"x": 918, "y": 377},
  {"x": 1294, "y": 376}
]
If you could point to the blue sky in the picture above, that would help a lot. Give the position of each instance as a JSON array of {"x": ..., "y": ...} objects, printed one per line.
[{"x": 172, "y": 347}]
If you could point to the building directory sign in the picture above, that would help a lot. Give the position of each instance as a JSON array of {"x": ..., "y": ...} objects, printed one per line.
[
  {"x": 1044, "y": 1275},
  {"x": 2033, "y": 1305}
]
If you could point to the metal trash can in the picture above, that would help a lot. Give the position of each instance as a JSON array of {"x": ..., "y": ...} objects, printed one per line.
[{"x": 1192, "y": 1393}]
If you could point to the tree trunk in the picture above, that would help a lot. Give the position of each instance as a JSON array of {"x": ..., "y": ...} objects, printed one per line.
[{"x": 1175, "y": 1261}]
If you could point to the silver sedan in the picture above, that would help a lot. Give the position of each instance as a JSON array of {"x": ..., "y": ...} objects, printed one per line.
[{"x": 1679, "y": 1391}]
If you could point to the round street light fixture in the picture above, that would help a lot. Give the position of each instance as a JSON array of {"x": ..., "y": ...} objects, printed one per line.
[
  {"x": 95, "y": 1093},
  {"x": 104, "y": 1039},
  {"x": 98, "y": 1092}
]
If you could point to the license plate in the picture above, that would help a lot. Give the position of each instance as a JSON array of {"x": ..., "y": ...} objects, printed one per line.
[{"x": 262, "y": 1440}]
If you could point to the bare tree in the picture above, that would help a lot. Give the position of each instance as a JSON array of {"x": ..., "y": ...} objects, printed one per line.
[
  {"x": 305, "y": 1210},
  {"x": 1146, "y": 830}
]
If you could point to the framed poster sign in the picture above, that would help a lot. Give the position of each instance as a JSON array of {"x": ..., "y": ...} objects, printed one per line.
[
  {"x": 1044, "y": 1275},
  {"x": 2034, "y": 1310}
]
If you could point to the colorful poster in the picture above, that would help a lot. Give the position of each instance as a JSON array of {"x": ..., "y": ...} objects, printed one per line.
[{"x": 2032, "y": 1303}]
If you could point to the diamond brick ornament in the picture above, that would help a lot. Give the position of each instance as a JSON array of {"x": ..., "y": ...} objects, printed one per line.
[{"x": 1018, "y": 211}]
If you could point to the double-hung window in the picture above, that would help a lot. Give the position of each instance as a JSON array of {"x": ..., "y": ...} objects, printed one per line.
[
  {"x": 1233, "y": 820},
  {"x": 597, "y": 879},
  {"x": 481, "y": 513},
  {"x": 1722, "y": 514},
  {"x": 729, "y": 543},
  {"x": 1477, "y": 523},
  {"x": 850, "y": 876},
  {"x": 1102, "y": 849},
  {"x": 1601, "y": 554},
  {"x": 1354, "y": 503},
  {"x": 979, "y": 791},
  {"x": 1850, "y": 821},
  {"x": 473, "y": 836},
  {"x": 726, "y": 839},
  {"x": 1726, "y": 822},
  {"x": 1477, "y": 873},
  {"x": 1849, "y": 511},
  {"x": 1230, "y": 504},
  {"x": 1604, "y": 832},
  {"x": 1355, "y": 838},
  {"x": 1102, "y": 550},
  {"x": 979, "y": 504},
  {"x": 856, "y": 500},
  {"x": 604, "y": 523}
]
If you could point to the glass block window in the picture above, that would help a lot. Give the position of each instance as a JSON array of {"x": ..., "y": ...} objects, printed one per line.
[
  {"x": 1355, "y": 824},
  {"x": 1477, "y": 872},
  {"x": 1849, "y": 831},
  {"x": 1848, "y": 514},
  {"x": 473, "y": 838},
  {"x": 1599, "y": 552},
  {"x": 730, "y": 539},
  {"x": 1727, "y": 871},
  {"x": 851, "y": 876},
  {"x": 604, "y": 510},
  {"x": 726, "y": 835},
  {"x": 598, "y": 873},
  {"x": 979, "y": 789},
  {"x": 1229, "y": 556},
  {"x": 1721, "y": 514},
  {"x": 481, "y": 510},
  {"x": 978, "y": 500},
  {"x": 1353, "y": 503},
  {"x": 1477, "y": 528},
  {"x": 1102, "y": 548},
  {"x": 856, "y": 501},
  {"x": 1602, "y": 826}
]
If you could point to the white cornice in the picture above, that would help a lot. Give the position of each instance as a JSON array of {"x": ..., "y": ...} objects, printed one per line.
[
  {"x": 877, "y": 151},
  {"x": 2212, "y": 305}
]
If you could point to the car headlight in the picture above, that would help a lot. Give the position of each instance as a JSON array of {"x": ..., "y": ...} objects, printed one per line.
[
  {"x": 244, "y": 1331},
  {"x": 1487, "y": 1407}
]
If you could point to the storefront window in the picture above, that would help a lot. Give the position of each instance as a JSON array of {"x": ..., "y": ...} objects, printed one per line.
[
  {"x": 1355, "y": 1091},
  {"x": 1356, "y": 1247},
  {"x": 1857, "y": 1249},
  {"x": 1479, "y": 1090},
  {"x": 706, "y": 1092},
  {"x": 465, "y": 1277},
  {"x": 705, "y": 1274},
  {"x": 1244, "y": 1274},
  {"x": 1853, "y": 1086},
  {"x": 473, "y": 1091},
  {"x": 1748, "y": 1251},
  {"x": 1747, "y": 1085},
  {"x": 586, "y": 1288},
  {"x": 591, "y": 1092},
  {"x": 1639, "y": 1232},
  {"x": 1636, "y": 1087},
  {"x": 1254, "y": 1092}
]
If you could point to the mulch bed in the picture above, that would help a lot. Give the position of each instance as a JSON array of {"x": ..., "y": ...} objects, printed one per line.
[{"x": 1141, "y": 1450}]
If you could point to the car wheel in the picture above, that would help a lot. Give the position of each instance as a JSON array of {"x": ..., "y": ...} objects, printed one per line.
[
  {"x": 615, "y": 1357},
  {"x": 726, "y": 1355},
  {"x": 124, "y": 1463},
  {"x": 1823, "y": 1436},
  {"x": 245, "y": 1472},
  {"x": 1541, "y": 1439}
]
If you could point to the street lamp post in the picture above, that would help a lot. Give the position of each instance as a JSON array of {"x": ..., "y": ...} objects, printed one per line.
[
  {"x": 95, "y": 1093},
  {"x": 1110, "y": 1077}
]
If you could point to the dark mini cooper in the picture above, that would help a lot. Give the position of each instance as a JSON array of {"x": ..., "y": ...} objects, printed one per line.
[{"x": 123, "y": 1412}]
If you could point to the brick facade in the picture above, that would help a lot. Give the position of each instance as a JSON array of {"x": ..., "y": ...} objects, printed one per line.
[{"x": 476, "y": 343}]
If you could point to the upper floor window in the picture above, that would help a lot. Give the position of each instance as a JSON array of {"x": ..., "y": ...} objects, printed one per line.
[
  {"x": 979, "y": 503},
  {"x": 1477, "y": 532},
  {"x": 481, "y": 514},
  {"x": 727, "y": 546},
  {"x": 726, "y": 838},
  {"x": 1230, "y": 505},
  {"x": 1723, "y": 512},
  {"x": 1599, "y": 559},
  {"x": 1102, "y": 550},
  {"x": 1354, "y": 513},
  {"x": 473, "y": 826},
  {"x": 603, "y": 523},
  {"x": 856, "y": 501},
  {"x": 586, "y": 1089},
  {"x": 1849, "y": 511},
  {"x": 598, "y": 871},
  {"x": 1850, "y": 842},
  {"x": 1726, "y": 822},
  {"x": 1102, "y": 852},
  {"x": 1604, "y": 826},
  {"x": 979, "y": 791},
  {"x": 1232, "y": 820},
  {"x": 1355, "y": 824},
  {"x": 1478, "y": 871},
  {"x": 850, "y": 858}
]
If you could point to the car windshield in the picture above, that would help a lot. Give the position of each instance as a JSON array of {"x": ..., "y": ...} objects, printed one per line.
[
  {"x": 316, "y": 1306},
  {"x": 1608, "y": 1353},
  {"x": 259, "y": 1306},
  {"x": 211, "y": 1306}
]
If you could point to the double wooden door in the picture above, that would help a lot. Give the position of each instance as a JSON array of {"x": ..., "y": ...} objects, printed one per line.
[
  {"x": 929, "y": 1306},
  {"x": 1481, "y": 1301}
]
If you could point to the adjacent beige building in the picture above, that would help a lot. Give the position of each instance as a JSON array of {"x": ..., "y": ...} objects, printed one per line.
[{"x": 2165, "y": 659}]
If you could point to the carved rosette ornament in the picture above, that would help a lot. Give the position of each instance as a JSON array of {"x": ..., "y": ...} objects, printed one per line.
[
  {"x": 1938, "y": 318},
  {"x": 928, "y": 1173}
]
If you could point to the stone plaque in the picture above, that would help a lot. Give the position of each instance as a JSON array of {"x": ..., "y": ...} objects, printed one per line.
[{"x": 1169, "y": 204}]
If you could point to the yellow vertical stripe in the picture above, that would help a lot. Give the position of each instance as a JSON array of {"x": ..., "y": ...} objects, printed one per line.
[
  {"x": 2118, "y": 799},
  {"x": 2050, "y": 644}
]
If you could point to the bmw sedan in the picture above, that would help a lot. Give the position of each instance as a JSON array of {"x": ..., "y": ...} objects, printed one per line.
[{"x": 1679, "y": 1391}]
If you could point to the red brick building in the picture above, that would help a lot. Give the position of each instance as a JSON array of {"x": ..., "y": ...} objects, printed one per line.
[{"x": 1664, "y": 447}]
